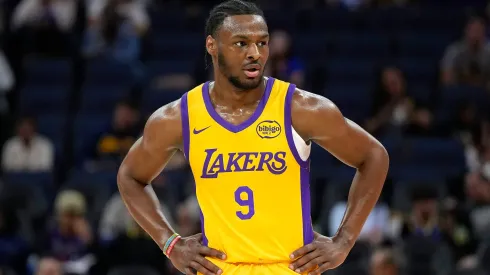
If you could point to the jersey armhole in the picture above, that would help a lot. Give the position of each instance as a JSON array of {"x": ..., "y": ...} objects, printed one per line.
[
  {"x": 288, "y": 127},
  {"x": 184, "y": 116}
]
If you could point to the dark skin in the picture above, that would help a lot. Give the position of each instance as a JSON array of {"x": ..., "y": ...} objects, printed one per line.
[{"x": 240, "y": 41}]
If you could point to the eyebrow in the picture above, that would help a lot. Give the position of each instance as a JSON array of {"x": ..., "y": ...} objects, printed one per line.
[{"x": 242, "y": 36}]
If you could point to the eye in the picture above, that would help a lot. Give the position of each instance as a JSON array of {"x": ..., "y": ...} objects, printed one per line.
[
  {"x": 261, "y": 44},
  {"x": 240, "y": 44}
]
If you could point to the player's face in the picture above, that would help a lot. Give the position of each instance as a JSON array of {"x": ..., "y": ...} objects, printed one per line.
[{"x": 242, "y": 50}]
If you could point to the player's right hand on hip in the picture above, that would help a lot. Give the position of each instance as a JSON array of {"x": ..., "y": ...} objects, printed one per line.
[{"x": 188, "y": 256}]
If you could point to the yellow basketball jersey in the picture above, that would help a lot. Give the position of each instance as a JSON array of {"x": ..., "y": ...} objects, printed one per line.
[{"x": 251, "y": 183}]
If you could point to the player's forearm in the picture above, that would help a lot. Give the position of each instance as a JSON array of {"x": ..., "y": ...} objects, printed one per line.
[
  {"x": 364, "y": 193},
  {"x": 144, "y": 207}
]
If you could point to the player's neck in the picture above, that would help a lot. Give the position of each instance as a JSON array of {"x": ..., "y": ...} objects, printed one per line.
[{"x": 224, "y": 93}]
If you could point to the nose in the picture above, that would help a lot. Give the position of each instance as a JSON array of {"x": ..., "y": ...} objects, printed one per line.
[{"x": 253, "y": 52}]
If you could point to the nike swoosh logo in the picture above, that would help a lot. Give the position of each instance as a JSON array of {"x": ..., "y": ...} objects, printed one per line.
[{"x": 198, "y": 131}]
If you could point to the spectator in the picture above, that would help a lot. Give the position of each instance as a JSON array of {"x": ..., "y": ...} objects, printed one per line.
[
  {"x": 468, "y": 61},
  {"x": 28, "y": 151},
  {"x": 49, "y": 266},
  {"x": 116, "y": 28},
  {"x": 424, "y": 217},
  {"x": 384, "y": 262},
  {"x": 377, "y": 226},
  {"x": 188, "y": 220},
  {"x": 282, "y": 64},
  {"x": 69, "y": 238},
  {"x": 6, "y": 83},
  {"x": 458, "y": 233},
  {"x": 393, "y": 110},
  {"x": 112, "y": 145},
  {"x": 45, "y": 25},
  {"x": 478, "y": 192},
  {"x": 132, "y": 247},
  {"x": 115, "y": 218},
  {"x": 43, "y": 13}
]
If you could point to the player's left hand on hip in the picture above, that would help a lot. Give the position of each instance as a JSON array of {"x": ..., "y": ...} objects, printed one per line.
[{"x": 322, "y": 254}]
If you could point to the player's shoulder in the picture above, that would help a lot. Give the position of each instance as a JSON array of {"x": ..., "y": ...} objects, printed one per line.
[
  {"x": 311, "y": 112},
  {"x": 304, "y": 101},
  {"x": 172, "y": 112},
  {"x": 167, "y": 118}
]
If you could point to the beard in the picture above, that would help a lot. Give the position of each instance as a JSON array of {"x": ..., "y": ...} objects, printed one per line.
[{"x": 224, "y": 68}]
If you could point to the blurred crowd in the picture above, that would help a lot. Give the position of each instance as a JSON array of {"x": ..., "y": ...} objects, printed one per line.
[{"x": 60, "y": 212}]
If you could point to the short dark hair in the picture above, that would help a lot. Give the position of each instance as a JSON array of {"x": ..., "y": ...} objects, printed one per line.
[{"x": 229, "y": 8}]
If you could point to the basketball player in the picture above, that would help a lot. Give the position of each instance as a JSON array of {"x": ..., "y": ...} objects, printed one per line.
[{"x": 247, "y": 138}]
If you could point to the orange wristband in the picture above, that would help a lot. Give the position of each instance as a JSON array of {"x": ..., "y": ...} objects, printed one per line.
[{"x": 171, "y": 246}]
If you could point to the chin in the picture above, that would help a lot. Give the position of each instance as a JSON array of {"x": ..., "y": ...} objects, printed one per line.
[
  {"x": 246, "y": 83},
  {"x": 250, "y": 84}
]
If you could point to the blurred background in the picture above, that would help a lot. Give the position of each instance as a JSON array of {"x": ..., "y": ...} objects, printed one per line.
[{"x": 79, "y": 78}]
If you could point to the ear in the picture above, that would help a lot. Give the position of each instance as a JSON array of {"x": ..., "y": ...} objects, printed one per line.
[{"x": 211, "y": 45}]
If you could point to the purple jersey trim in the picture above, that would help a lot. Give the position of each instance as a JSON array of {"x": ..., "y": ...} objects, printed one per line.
[
  {"x": 184, "y": 114},
  {"x": 288, "y": 128},
  {"x": 242, "y": 126},
  {"x": 204, "y": 238},
  {"x": 306, "y": 206}
]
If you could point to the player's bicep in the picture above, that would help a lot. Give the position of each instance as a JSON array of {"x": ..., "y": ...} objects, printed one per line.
[
  {"x": 151, "y": 152},
  {"x": 319, "y": 120},
  {"x": 350, "y": 143}
]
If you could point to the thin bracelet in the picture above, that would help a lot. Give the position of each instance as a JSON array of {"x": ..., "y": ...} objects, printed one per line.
[
  {"x": 171, "y": 246},
  {"x": 169, "y": 241}
]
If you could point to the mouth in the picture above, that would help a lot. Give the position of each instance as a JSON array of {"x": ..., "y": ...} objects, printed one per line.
[{"x": 252, "y": 72}]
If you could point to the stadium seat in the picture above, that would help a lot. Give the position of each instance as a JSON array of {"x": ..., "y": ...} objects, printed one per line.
[
  {"x": 178, "y": 46},
  {"x": 349, "y": 69},
  {"x": 54, "y": 128},
  {"x": 105, "y": 71},
  {"x": 184, "y": 66},
  {"x": 44, "y": 99},
  {"x": 432, "y": 158},
  {"x": 454, "y": 96},
  {"x": 353, "y": 44},
  {"x": 48, "y": 71},
  {"x": 81, "y": 176},
  {"x": 353, "y": 100},
  {"x": 418, "y": 68},
  {"x": 403, "y": 187},
  {"x": 310, "y": 46},
  {"x": 334, "y": 20},
  {"x": 102, "y": 99},
  {"x": 31, "y": 191},
  {"x": 161, "y": 20},
  {"x": 154, "y": 99},
  {"x": 422, "y": 94},
  {"x": 86, "y": 128},
  {"x": 423, "y": 44}
]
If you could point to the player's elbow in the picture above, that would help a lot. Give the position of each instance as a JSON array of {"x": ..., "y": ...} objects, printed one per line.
[
  {"x": 379, "y": 156},
  {"x": 124, "y": 178}
]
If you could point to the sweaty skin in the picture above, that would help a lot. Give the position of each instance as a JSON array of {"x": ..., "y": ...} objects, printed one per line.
[{"x": 242, "y": 42}]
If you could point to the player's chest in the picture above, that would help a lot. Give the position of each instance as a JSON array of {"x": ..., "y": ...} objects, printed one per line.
[{"x": 262, "y": 147}]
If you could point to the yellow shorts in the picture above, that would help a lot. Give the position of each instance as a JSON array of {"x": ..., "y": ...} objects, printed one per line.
[{"x": 255, "y": 269}]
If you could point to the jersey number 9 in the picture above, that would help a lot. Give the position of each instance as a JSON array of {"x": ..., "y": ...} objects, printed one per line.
[{"x": 247, "y": 202}]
